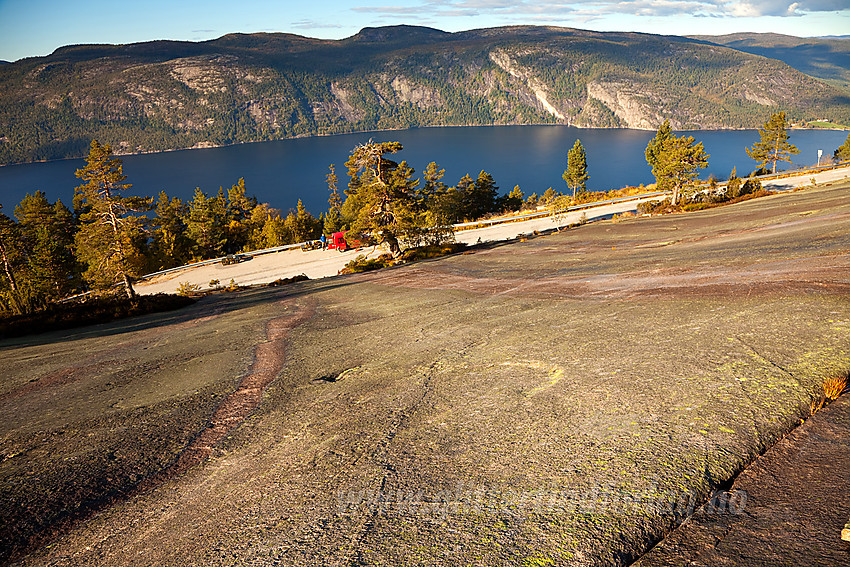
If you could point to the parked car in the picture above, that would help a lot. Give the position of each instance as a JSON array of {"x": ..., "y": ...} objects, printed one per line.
[
  {"x": 311, "y": 245},
  {"x": 232, "y": 259}
]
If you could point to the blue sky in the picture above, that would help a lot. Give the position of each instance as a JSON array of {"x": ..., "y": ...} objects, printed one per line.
[{"x": 37, "y": 27}]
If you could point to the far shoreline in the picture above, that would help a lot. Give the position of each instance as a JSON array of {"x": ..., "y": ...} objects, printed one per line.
[{"x": 209, "y": 145}]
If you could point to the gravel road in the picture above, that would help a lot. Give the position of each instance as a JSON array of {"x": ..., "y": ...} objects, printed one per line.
[{"x": 319, "y": 264}]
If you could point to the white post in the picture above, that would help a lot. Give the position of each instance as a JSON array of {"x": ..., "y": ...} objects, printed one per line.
[{"x": 820, "y": 153}]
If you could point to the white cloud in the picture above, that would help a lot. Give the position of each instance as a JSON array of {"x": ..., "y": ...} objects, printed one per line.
[
  {"x": 598, "y": 8},
  {"x": 313, "y": 24},
  {"x": 755, "y": 8},
  {"x": 785, "y": 7}
]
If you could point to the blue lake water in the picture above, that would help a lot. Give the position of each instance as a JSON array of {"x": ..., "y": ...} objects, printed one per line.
[{"x": 281, "y": 172}]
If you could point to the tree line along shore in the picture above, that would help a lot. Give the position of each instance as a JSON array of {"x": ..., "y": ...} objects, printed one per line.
[{"x": 108, "y": 238}]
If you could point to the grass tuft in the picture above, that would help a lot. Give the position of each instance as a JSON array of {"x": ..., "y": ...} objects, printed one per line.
[
  {"x": 831, "y": 388},
  {"x": 836, "y": 385}
]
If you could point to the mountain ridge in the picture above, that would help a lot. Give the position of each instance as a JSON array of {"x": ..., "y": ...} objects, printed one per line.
[
  {"x": 826, "y": 58},
  {"x": 167, "y": 94}
]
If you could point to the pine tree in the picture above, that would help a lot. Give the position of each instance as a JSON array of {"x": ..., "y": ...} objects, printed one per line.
[
  {"x": 481, "y": 196},
  {"x": 171, "y": 246},
  {"x": 576, "y": 173},
  {"x": 15, "y": 293},
  {"x": 514, "y": 200},
  {"x": 432, "y": 186},
  {"x": 205, "y": 225},
  {"x": 47, "y": 231},
  {"x": 445, "y": 208},
  {"x": 237, "y": 216},
  {"x": 273, "y": 232},
  {"x": 239, "y": 204},
  {"x": 655, "y": 147},
  {"x": 384, "y": 194},
  {"x": 674, "y": 160},
  {"x": 548, "y": 196},
  {"x": 108, "y": 234},
  {"x": 300, "y": 225},
  {"x": 774, "y": 145},
  {"x": 842, "y": 153}
]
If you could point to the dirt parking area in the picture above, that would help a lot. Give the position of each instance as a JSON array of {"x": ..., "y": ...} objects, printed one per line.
[{"x": 565, "y": 400}]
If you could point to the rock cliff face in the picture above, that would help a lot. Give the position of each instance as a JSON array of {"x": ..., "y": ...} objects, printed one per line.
[
  {"x": 239, "y": 88},
  {"x": 420, "y": 96},
  {"x": 527, "y": 78}
]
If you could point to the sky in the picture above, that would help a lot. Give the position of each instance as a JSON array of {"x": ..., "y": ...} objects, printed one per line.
[{"x": 37, "y": 27}]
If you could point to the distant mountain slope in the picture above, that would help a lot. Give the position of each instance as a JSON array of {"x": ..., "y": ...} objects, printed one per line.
[
  {"x": 238, "y": 88},
  {"x": 826, "y": 58}
]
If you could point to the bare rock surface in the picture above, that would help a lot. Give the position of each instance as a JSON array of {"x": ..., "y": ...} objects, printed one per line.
[
  {"x": 789, "y": 506},
  {"x": 565, "y": 400}
]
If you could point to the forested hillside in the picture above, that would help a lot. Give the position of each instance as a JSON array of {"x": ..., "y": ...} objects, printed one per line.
[
  {"x": 239, "y": 88},
  {"x": 825, "y": 58}
]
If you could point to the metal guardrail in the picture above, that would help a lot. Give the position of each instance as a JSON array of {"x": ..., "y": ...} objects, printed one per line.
[
  {"x": 799, "y": 172},
  {"x": 250, "y": 254},
  {"x": 540, "y": 214},
  {"x": 789, "y": 173}
]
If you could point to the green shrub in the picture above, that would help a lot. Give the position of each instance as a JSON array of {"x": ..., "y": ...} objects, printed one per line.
[
  {"x": 363, "y": 264},
  {"x": 655, "y": 207},
  {"x": 751, "y": 186},
  {"x": 186, "y": 288},
  {"x": 433, "y": 251},
  {"x": 285, "y": 281},
  {"x": 733, "y": 187}
]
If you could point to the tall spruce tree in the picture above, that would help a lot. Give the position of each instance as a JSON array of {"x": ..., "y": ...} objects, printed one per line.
[
  {"x": 108, "y": 233},
  {"x": 205, "y": 224},
  {"x": 301, "y": 226},
  {"x": 432, "y": 187},
  {"x": 774, "y": 145},
  {"x": 171, "y": 246},
  {"x": 481, "y": 196},
  {"x": 47, "y": 231},
  {"x": 514, "y": 200},
  {"x": 576, "y": 173},
  {"x": 655, "y": 147},
  {"x": 238, "y": 217}
]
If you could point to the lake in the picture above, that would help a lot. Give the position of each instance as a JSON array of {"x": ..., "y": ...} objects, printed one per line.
[{"x": 281, "y": 172}]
